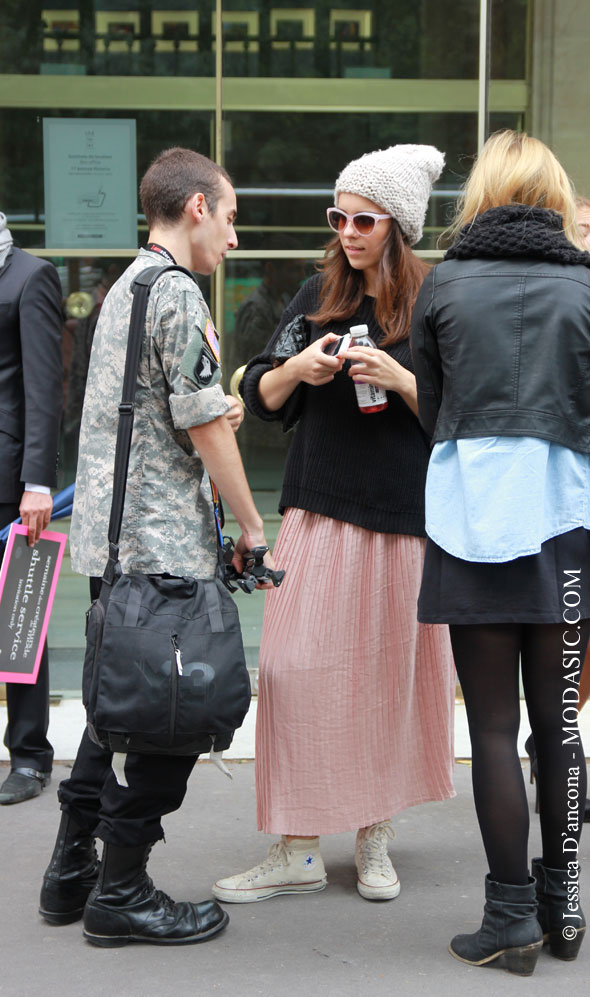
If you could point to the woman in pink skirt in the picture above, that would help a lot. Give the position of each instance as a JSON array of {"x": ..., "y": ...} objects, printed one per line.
[{"x": 355, "y": 707}]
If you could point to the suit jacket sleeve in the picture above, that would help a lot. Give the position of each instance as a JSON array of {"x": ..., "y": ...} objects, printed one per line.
[
  {"x": 40, "y": 317},
  {"x": 426, "y": 357}
]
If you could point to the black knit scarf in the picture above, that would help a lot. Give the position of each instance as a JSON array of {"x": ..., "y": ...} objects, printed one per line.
[{"x": 517, "y": 230}]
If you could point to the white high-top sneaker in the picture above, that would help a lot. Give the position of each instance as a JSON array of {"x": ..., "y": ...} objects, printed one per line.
[
  {"x": 291, "y": 867},
  {"x": 377, "y": 879}
]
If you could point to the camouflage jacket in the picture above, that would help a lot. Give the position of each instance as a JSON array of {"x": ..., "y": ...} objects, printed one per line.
[{"x": 168, "y": 522}]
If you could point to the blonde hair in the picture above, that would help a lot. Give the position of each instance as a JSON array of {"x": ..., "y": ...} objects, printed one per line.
[{"x": 514, "y": 168}]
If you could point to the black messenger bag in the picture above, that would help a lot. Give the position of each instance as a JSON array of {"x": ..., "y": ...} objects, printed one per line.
[{"x": 164, "y": 669}]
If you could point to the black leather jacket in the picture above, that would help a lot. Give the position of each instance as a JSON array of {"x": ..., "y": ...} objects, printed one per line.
[{"x": 501, "y": 347}]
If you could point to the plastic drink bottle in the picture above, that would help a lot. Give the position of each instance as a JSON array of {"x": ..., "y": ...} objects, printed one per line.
[{"x": 370, "y": 398}]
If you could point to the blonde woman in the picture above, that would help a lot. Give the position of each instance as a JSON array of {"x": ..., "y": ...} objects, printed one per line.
[
  {"x": 501, "y": 345},
  {"x": 583, "y": 223}
]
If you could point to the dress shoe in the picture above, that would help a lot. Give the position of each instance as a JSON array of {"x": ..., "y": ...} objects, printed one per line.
[{"x": 23, "y": 784}]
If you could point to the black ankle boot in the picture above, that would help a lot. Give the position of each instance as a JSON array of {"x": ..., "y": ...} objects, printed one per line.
[
  {"x": 509, "y": 928},
  {"x": 560, "y": 915},
  {"x": 124, "y": 906},
  {"x": 70, "y": 875}
]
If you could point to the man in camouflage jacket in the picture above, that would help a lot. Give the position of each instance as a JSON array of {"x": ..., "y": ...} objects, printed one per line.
[{"x": 183, "y": 428}]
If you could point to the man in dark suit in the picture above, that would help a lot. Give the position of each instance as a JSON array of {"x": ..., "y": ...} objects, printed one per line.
[{"x": 30, "y": 408}]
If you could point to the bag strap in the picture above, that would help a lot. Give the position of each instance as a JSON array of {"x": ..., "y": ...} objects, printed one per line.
[{"x": 141, "y": 287}]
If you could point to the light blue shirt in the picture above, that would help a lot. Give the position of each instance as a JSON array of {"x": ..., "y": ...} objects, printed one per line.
[{"x": 500, "y": 497}]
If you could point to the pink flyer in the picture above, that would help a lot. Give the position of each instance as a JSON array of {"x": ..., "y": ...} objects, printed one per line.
[{"x": 28, "y": 580}]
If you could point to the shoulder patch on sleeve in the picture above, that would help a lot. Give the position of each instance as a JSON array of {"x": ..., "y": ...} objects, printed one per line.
[
  {"x": 199, "y": 363},
  {"x": 212, "y": 338}
]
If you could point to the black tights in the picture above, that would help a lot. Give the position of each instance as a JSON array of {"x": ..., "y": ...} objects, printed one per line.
[{"x": 487, "y": 661}]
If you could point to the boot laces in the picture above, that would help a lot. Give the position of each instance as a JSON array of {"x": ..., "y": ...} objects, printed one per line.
[
  {"x": 278, "y": 857},
  {"x": 373, "y": 847},
  {"x": 166, "y": 902}
]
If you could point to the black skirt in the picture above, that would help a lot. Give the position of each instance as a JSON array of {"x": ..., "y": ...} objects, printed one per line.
[{"x": 552, "y": 586}]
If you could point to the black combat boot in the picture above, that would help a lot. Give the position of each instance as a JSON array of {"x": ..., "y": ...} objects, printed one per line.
[
  {"x": 70, "y": 875},
  {"x": 560, "y": 915},
  {"x": 124, "y": 906},
  {"x": 509, "y": 928}
]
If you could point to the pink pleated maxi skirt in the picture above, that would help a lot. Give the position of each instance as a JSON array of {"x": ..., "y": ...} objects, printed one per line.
[{"x": 356, "y": 698}]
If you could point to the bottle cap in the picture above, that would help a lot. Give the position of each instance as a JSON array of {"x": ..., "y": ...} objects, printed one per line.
[{"x": 359, "y": 330}]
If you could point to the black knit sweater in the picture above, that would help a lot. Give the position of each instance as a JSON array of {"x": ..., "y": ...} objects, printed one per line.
[{"x": 366, "y": 469}]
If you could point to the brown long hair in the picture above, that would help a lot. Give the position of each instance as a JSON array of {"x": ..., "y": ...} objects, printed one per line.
[{"x": 399, "y": 278}]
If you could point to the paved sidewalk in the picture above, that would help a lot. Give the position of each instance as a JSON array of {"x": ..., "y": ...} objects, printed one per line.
[{"x": 330, "y": 944}]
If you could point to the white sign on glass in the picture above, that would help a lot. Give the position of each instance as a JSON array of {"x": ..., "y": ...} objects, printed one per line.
[{"x": 90, "y": 183}]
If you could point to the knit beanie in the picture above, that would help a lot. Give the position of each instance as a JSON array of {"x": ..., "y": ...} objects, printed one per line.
[
  {"x": 5, "y": 239},
  {"x": 399, "y": 180}
]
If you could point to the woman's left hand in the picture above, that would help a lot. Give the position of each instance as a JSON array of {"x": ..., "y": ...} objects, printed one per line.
[
  {"x": 235, "y": 415},
  {"x": 377, "y": 367},
  {"x": 371, "y": 366}
]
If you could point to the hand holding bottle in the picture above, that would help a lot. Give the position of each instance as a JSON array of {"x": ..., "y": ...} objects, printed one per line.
[
  {"x": 373, "y": 368},
  {"x": 370, "y": 397}
]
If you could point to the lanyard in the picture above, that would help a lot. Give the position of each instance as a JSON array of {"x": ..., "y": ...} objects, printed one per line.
[
  {"x": 154, "y": 247},
  {"x": 218, "y": 509}
]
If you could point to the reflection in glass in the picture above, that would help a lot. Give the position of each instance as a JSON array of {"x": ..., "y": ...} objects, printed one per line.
[
  {"x": 400, "y": 39},
  {"x": 107, "y": 39},
  {"x": 256, "y": 294},
  {"x": 82, "y": 306}
]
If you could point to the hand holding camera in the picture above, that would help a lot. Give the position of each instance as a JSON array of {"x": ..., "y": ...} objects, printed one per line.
[
  {"x": 255, "y": 572},
  {"x": 314, "y": 365}
]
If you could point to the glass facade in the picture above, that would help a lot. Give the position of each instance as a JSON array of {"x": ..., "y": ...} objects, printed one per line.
[{"x": 284, "y": 95}]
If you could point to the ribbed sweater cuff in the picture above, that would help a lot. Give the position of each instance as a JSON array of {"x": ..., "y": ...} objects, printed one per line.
[{"x": 249, "y": 392}]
